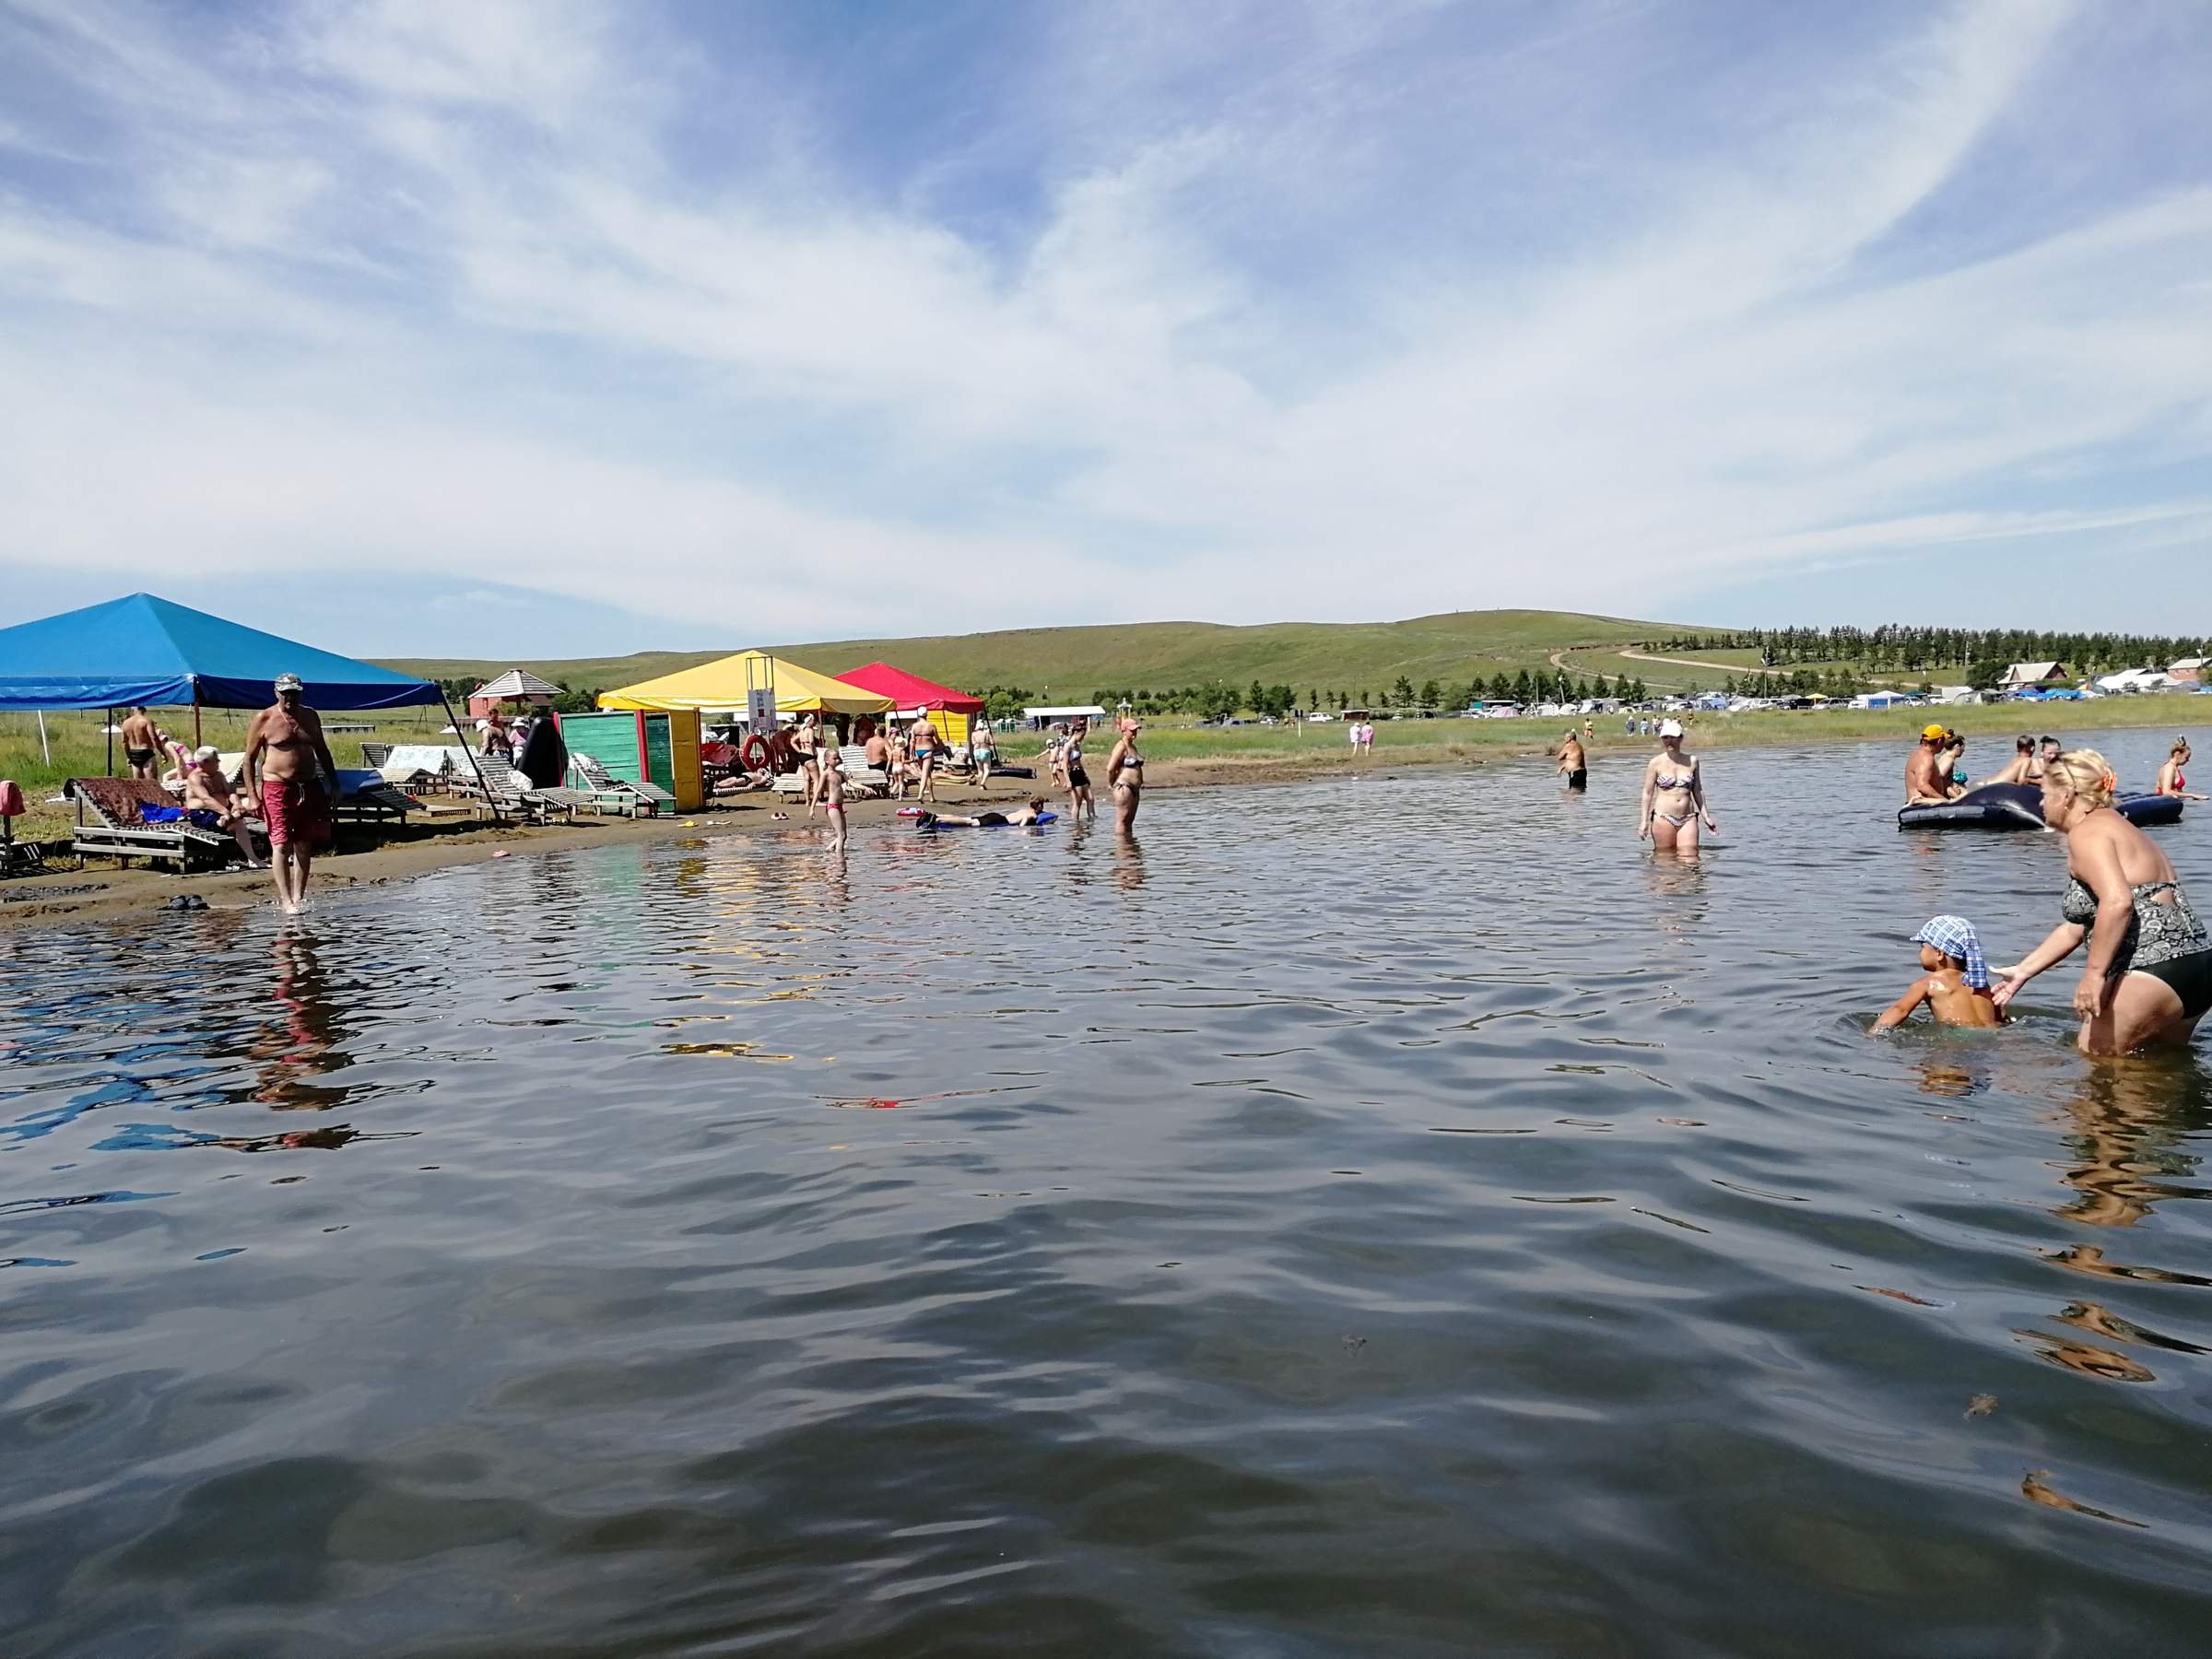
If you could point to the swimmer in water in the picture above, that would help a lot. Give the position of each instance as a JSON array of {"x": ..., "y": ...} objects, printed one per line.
[
  {"x": 1956, "y": 984},
  {"x": 1021, "y": 817}
]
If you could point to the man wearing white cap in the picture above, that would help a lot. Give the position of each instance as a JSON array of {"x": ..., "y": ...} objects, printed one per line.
[
  {"x": 287, "y": 760},
  {"x": 209, "y": 803}
]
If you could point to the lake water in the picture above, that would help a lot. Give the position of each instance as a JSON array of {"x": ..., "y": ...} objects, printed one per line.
[{"x": 1385, "y": 1216}]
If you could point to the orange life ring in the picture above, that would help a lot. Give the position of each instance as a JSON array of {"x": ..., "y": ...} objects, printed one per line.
[{"x": 754, "y": 752}]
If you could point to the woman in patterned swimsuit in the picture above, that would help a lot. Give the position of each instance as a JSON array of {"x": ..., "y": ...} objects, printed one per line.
[{"x": 2148, "y": 977}]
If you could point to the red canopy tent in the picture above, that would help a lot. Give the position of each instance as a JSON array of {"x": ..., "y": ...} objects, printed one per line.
[{"x": 909, "y": 692}]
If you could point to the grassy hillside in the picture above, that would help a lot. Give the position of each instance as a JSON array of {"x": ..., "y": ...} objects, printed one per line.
[{"x": 1072, "y": 662}]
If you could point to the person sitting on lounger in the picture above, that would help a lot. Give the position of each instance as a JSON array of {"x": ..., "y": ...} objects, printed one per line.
[
  {"x": 1019, "y": 818},
  {"x": 210, "y": 803}
]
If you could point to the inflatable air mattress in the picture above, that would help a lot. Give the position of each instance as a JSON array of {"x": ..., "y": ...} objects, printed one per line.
[{"x": 2020, "y": 806}]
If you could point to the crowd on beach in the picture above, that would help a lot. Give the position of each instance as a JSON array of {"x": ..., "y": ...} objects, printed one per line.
[{"x": 2147, "y": 970}]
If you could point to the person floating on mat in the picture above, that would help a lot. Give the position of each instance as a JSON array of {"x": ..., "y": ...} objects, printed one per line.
[
  {"x": 1018, "y": 818},
  {"x": 1928, "y": 769},
  {"x": 1955, "y": 985},
  {"x": 2172, "y": 779}
]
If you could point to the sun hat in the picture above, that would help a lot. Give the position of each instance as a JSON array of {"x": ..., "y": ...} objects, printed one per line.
[
  {"x": 290, "y": 682},
  {"x": 1670, "y": 728},
  {"x": 1929, "y": 733},
  {"x": 1955, "y": 937}
]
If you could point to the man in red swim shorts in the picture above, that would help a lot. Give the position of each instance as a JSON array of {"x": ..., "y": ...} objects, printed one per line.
[{"x": 285, "y": 746}]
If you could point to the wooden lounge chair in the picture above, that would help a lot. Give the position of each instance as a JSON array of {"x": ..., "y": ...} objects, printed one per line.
[
  {"x": 118, "y": 828},
  {"x": 596, "y": 779},
  {"x": 365, "y": 799},
  {"x": 505, "y": 790},
  {"x": 613, "y": 797}
]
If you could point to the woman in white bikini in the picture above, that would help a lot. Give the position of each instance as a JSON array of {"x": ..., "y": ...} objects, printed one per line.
[{"x": 1674, "y": 796}]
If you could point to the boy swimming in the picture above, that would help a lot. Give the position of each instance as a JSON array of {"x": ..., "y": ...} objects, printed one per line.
[{"x": 1955, "y": 984}]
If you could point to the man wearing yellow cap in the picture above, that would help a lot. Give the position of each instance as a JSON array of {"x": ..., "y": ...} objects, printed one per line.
[{"x": 1927, "y": 779}]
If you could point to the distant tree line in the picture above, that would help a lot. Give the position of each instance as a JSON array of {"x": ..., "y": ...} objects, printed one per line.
[{"x": 1895, "y": 646}]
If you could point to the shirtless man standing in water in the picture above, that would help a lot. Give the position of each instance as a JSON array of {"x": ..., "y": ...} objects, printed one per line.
[{"x": 284, "y": 748}]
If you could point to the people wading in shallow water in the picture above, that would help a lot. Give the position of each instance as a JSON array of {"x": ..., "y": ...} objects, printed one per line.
[
  {"x": 1674, "y": 796},
  {"x": 1574, "y": 763},
  {"x": 833, "y": 797},
  {"x": 2172, "y": 781},
  {"x": 2148, "y": 976},
  {"x": 1126, "y": 777},
  {"x": 1081, "y": 809},
  {"x": 287, "y": 760}
]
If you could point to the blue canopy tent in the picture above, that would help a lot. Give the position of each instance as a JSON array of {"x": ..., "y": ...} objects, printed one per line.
[
  {"x": 145, "y": 650},
  {"x": 148, "y": 650}
]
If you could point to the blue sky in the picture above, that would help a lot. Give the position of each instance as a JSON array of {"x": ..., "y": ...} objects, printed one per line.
[{"x": 559, "y": 327}]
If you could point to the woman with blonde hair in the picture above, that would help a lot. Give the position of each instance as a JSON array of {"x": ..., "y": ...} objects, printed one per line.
[
  {"x": 2148, "y": 976},
  {"x": 2170, "y": 779}
]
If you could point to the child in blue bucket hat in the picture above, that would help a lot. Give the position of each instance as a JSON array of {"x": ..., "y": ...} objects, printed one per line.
[{"x": 1956, "y": 984}]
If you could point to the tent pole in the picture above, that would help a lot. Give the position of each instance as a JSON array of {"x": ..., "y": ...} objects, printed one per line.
[
  {"x": 462, "y": 737},
  {"x": 45, "y": 749},
  {"x": 195, "y": 710},
  {"x": 110, "y": 723}
]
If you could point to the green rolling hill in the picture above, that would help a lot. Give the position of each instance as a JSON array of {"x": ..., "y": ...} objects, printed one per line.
[{"x": 1071, "y": 662}]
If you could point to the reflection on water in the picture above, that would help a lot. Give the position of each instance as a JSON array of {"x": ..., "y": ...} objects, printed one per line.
[{"x": 1284, "y": 1232}]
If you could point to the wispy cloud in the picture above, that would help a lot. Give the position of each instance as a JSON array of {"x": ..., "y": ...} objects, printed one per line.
[{"x": 1232, "y": 310}]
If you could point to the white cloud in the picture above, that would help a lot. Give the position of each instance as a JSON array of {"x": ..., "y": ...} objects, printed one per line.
[{"x": 444, "y": 286}]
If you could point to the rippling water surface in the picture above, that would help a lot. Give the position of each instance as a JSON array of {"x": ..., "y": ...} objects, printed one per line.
[{"x": 1393, "y": 1217}]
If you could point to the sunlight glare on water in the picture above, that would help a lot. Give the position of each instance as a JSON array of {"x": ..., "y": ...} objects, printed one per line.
[{"x": 1386, "y": 1215}]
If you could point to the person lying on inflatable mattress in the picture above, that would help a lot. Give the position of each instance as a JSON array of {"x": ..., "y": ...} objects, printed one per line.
[{"x": 1028, "y": 814}]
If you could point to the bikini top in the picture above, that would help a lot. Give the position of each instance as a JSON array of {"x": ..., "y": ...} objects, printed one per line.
[
  {"x": 1667, "y": 781},
  {"x": 2160, "y": 930}
]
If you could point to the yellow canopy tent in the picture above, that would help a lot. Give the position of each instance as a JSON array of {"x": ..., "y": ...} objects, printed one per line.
[{"x": 722, "y": 684}]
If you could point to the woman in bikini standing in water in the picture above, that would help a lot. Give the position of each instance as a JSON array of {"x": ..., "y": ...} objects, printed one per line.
[
  {"x": 1126, "y": 777},
  {"x": 1674, "y": 796},
  {"x": 1080, "y": 806}
]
